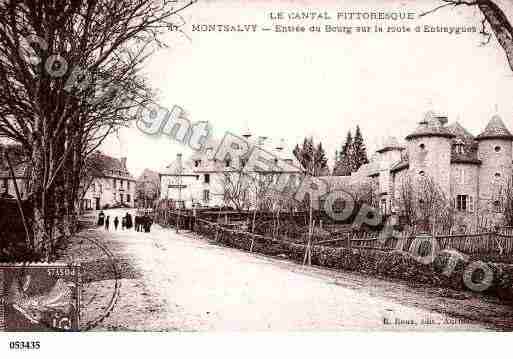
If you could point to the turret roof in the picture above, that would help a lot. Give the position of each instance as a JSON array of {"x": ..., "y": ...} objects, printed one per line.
[
  {"x": 431, "y": 126},
  {"x": 496, "y": 129}
]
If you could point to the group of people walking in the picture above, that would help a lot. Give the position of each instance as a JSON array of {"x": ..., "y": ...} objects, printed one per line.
[{"x": 141, "y": 222}]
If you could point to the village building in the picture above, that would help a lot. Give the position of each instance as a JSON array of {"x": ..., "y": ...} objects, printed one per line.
[
  {"x": 202, "y": 180},
  {"x": 20, "y": 168},
  {"x": 109, "y": 185},
  {"x": 469, "y": 170},
  {"x": 147, "y": 189}
]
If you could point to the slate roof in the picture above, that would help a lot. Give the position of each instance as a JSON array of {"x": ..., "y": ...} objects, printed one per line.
[
  {"x": 467, "y": 140},
  {"x": 496, "y": 129},
  {"x": 103, "y": 165},
  {"x": 18, "y": 160},
  {"x": 287, "y": 161},
  {"x": 20, "y": 171},
  {"x": 401, "y": 165},
  {"x": 179, "y": 167},
  {"x": 390, "y": 143},
  {"x": 432, "y": 125}
]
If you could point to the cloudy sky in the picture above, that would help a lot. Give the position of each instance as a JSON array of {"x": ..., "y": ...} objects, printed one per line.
[{"x": 292, "y": 85}]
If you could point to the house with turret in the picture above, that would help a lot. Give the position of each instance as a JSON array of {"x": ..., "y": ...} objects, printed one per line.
[{"x": 469, "y": 170}]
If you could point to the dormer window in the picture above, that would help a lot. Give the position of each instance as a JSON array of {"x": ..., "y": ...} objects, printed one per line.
[
  {"x": 422, "y": 146},
  {"x": 227, "y": 162},
  {"x": 459, "y": 147}
]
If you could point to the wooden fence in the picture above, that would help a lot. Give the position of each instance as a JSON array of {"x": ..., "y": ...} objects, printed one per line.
[
  {"x": 480, "y": 243},
  {"x": 487, "y": 243}
]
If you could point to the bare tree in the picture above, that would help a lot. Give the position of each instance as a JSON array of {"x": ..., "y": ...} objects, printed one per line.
[
  {"x": 69, "y": 74},
  {"x": 236, "y": 188},
  {"x": 425, "y": 205},
  {"x": 504, "y": 201},
  {"x": 494, "y": 17}
]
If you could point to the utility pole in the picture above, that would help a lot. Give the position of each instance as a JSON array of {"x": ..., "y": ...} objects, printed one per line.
[{"x": 180, "y": 170}]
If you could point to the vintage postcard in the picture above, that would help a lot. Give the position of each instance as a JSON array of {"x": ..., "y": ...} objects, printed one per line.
[
  {"x": 256, "y": 166},
  {"x": 40, "y": 297}
]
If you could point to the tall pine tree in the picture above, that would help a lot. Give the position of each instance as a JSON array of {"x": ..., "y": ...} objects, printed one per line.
[
  {"x": 312, "y": 158},
  {"x": 343, "y": 166},
  {"x": 321, "y": 161},
  {"x": 359, "y": 151}
]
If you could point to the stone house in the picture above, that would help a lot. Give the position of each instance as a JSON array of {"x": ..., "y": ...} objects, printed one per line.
[
  {"x": 201, "y": 180},
  {"x": 110, "y": 184},
  {"x": 469, "y": 170},
  {"x": 21, "y": 171}
]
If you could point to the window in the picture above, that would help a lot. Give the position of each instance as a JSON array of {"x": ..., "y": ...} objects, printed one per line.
[
  {"x": 422, "y": 146},
  {"x": 114, "y": 181},
  {"x": 93, "y": 187},
  {"x": 128, "y": 185},
  {"x": 383, "y": 206},
  {"x": 497, "y": 148},
  {"x": 128, "y": 198},
  {"x": 461, "y": 202},
  {"x": 464, "y": 203},
  {"x": 228, "y": 162},
  {"x": 207, "y": 178},
  {"x": 121, "y": 186},
  {"x": 5, "y": 185},
  {"x": 422, "y": 173},
  {"x": 101, "y": 188},
  {"x": 243, "y": 162},
  {"x": 497, "y": 175},
  {"x": 462, "y": 175},
  {"x": 197, "y": 163},
  {"x": 206, "y": 195}
]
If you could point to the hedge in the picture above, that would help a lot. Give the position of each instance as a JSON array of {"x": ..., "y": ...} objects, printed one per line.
[{"x": 391, "y": 264}]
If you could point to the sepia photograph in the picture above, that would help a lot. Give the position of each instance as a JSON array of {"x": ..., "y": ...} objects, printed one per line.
[{"x": 254, "y": 167}]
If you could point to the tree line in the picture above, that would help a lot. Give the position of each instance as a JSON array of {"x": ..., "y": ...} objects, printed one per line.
[{"x": 351, "y": 156}]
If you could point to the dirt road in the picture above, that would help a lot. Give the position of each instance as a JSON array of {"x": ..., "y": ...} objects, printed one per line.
[{"x": 182, "y": 282}]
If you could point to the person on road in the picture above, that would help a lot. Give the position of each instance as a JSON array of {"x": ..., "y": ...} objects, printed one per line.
[
  {"x": 129, "y": 223},
  {"x": 137, "y": 223},
  {"x": 107, "y": 223},
  {"x": 101, "y": 218},
  {"x": 116, "y": 222},
  {"x": 147, "y": 223}
]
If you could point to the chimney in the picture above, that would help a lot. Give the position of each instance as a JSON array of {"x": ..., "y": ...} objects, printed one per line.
[
  {"x": 281, "y": 145},
  {"x": 261, "y": 140},
  {"x": 123, "y": 162}
]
